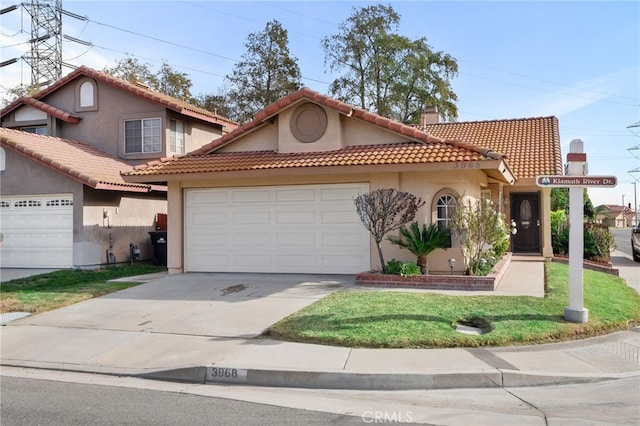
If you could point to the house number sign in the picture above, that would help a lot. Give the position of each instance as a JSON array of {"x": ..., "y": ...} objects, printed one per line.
[{"x": 226, "y": 374}]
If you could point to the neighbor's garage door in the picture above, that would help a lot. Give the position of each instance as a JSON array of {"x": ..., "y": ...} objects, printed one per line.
[
  {"x": 301, "y": 229},
  {"x": 37, "y": 231}
]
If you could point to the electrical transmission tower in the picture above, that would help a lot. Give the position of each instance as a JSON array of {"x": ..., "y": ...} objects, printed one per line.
[{"x": 45, "y": 56}]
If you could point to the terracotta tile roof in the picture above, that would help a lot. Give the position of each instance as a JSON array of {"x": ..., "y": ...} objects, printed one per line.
[
  {"x": 425, "y": 147},
  {"x": 51, "y": 110},
  {"x": 532, "y": 145},
  {"x": 361, "y": 155},
  {"x": 78, "y": 160},
  {"x": 139, "y": 90}
]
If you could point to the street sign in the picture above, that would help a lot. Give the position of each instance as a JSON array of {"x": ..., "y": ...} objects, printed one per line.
[{"x": 550, "y": 181}]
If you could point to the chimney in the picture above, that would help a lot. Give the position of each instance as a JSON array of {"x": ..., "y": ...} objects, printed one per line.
[{"x": 430, "y": 116}]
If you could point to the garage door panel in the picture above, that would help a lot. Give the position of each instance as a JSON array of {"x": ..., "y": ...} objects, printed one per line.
[
  {"x": 204, "y": 240},
  {"x": 296, "y": 217},
  {"x": 251, "y": 218},
  {"x": 245, "y": 240},
  {"x": 297, "y": 229},
  {"x": 296, "y": 239},
  {"x": 297, "y": 194},
  {"x": 203, "y": 198},
  {"x": 252, "y": 261},
  {"x": 344, "y": 193},
  {"x": 332, "y": 217},
  {"x": 251, "y": 196},
  {"x": 209, "y": 218}
]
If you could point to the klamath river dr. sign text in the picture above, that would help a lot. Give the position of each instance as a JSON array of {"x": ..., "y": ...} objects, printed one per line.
[{"x": 568, "y": 181}]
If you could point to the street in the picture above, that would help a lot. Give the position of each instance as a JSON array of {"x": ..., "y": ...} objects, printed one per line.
[
  {"x": 64, "y": 398},
  {"x": 623, "y": 240}
]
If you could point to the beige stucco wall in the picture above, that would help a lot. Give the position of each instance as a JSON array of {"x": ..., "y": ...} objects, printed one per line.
[
  {"x": 103, "y": 126},
  {"x": 119, "y": 219}
]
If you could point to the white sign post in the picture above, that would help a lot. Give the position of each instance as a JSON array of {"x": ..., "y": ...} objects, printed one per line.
[{"x": 576, "y": 180}]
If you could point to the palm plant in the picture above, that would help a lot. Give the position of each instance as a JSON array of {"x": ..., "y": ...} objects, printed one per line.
[{"x": 422, "y": 241}]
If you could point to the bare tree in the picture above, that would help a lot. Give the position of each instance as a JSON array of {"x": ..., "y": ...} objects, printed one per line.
[{"x": 385, "y": 210}]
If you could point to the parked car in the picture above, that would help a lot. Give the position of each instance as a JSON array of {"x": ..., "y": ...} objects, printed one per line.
[{"x": 635, "y": 243}]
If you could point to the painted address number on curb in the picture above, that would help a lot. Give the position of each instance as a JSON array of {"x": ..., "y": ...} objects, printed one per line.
[{"x": 225, "y": 374}]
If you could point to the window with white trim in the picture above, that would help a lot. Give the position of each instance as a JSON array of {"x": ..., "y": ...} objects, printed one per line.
[
  {"x": 142, "y": 136},
  {"x": 445, "y": 207},
  {"x": 176, "y": 134},
  {"x": 87, "y": 94}
]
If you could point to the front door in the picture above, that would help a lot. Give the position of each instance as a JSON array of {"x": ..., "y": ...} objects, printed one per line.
[{"x": 525, "y": 212}]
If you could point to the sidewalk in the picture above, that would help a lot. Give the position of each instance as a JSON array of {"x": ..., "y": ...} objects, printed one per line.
[{"x": 179, "y": 328}]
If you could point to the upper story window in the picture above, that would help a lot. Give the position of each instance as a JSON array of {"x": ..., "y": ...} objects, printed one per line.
[
  {"x": 38, "y": 130},
  {"x": 143, "y": 136},
  {"x": 3, "y": 160},
  {"x": 176, "y": 135},
  {"x": 87, "y": 96}
]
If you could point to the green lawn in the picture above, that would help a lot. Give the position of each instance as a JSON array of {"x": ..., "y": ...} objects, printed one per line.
[
  {"x": 54, "y": 290},
  {"x": 392, "y": 319}
]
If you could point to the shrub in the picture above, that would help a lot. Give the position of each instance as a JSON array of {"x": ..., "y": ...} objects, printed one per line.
[
  {"x": 393, "y": 267},
  {"x": 410, "y": 268},
  {"x": 405, "y": 269}
]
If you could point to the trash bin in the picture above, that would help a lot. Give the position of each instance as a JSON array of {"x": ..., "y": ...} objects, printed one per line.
[{"x": 159, "y": 242}]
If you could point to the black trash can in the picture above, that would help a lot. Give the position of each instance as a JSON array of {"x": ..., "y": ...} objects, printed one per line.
[{"x": 159, "y": 242}]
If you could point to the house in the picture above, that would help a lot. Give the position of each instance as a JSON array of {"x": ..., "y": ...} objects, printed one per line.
[
  {"x": 276, "y": 194},
  {"x": 63, "y": 201},
  {"x": 615, "y": 216}
]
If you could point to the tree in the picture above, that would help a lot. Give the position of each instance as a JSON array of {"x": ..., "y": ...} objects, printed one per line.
[
  {"x": 477, "y": 226},
  {"x": 422, "y": 241},
  {"x": 166, "y": 80},
  {"x": 132, "y": 70},
  {"x": 266, "y": 73},
  {"x": 560, "y": 201},
  {"x": 387, "y": 73},
  {"x": 385, "y": 210},
  {"x": 17, "y": 92}
]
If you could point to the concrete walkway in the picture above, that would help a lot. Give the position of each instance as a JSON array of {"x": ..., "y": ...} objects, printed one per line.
[{"x": 205, "y": 328}]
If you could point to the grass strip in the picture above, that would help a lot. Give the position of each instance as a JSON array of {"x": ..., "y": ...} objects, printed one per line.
[
  {"x": 41, "y": 293},
  {"x": 392, "y": 319}
]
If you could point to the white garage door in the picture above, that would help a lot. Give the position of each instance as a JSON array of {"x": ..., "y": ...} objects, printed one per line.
[
  {"x": 37, "y": 231},
  {"x": 297, "y": 229}
]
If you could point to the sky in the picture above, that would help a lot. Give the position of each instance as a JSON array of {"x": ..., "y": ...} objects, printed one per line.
[{"x": 577, "y": 61}]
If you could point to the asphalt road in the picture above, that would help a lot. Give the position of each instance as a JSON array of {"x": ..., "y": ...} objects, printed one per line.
[
  {"x": 623, "y": 239},
  {"x": 51, "y": 403}
]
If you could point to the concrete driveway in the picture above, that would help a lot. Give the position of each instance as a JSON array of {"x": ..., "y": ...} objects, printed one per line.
[{"x": 216, "y": 305}]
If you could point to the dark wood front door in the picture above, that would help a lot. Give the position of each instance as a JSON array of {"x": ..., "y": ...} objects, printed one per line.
[{"x": 525, "y": 212}]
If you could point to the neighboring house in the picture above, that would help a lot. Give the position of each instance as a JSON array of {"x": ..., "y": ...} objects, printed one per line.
[
  {"x": 615, "y": 216},
  {"x": 63, "y": 202},
  {"x": 276, "y": 195}
]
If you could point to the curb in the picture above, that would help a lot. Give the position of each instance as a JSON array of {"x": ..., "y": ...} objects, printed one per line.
[{"x": 216, "y": 375}]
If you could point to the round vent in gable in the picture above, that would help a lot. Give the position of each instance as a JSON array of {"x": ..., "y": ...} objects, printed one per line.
[{"x": 308, "y": 123}]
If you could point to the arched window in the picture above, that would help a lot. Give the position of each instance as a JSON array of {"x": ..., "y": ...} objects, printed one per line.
[
  {"x": 443, "y": 206},
  {"x": 87, "y": 96}
]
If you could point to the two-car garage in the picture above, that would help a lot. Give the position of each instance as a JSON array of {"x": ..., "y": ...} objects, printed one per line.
[{"x": 278, "y": 229}]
